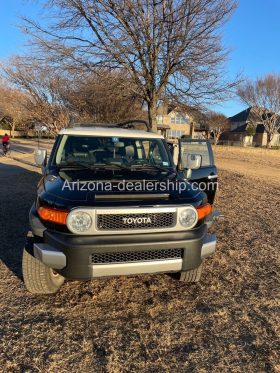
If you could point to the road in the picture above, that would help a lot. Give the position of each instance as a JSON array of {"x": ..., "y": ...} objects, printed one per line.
[{"x": 23, "y": 150}]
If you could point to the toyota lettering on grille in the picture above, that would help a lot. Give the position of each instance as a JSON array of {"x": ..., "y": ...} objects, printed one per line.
[{"x": 137, "y": 220}]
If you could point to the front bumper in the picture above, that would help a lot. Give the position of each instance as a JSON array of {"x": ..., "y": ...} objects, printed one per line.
[{"x": 71, "y": 255}]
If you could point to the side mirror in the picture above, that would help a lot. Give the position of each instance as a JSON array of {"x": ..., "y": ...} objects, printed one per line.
[
  {"x": 40, "y": 157},
  {"x": 193, "y": 162}
]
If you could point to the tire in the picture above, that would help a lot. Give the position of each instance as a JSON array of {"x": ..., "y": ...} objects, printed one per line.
[
  {"x": 193, "y": 275},
  {"x": 39, "y": 278}
]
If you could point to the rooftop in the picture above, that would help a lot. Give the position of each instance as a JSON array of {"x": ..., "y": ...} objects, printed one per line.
[{"x": 109, "y": 132}]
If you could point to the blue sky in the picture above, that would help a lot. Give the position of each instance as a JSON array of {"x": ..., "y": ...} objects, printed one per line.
[{"x": 253, "y": 34}]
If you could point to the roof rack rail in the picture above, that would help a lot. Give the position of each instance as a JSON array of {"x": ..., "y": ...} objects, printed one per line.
[
  {"x": 129, "y": 124},
  {"x": 77, "y": 124},
  {"x": 132, "y": 124}
]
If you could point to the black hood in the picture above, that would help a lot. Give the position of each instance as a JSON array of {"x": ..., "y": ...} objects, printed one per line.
[{"x": 62, "y": 190}]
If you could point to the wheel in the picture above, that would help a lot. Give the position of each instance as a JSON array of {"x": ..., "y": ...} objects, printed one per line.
[
  {"x": 193, "y": 275},
  {"x": 39, "y": 278}
]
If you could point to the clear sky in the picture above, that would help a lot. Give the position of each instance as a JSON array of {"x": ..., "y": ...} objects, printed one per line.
[{"x": 253, "y": 34}]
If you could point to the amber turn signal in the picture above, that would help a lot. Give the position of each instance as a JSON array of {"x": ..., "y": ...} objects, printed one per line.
[
  {"x": 203, "y": 211},
  {"x": 55, "y": 216}
]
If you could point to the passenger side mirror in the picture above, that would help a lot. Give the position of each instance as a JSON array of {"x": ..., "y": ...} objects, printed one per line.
[
  {"x": 40, "y": 157},
  {"x": 193, "y": 162}
]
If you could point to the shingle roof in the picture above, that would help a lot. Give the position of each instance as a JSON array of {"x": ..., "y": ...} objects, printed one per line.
[
  {"x": 241, "y": 129},
  {"x": 241, "y": 117},
  {"x": 247, "y": 115}
]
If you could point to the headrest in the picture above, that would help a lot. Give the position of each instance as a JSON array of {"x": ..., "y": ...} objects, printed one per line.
[{"x": 129, "y": 151}]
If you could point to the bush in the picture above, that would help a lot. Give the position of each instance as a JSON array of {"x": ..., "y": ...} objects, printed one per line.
[{"x": 186, "y": 136}]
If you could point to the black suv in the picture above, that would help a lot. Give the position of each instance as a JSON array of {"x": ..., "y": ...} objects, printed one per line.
[{"x": 112, "y": 201}]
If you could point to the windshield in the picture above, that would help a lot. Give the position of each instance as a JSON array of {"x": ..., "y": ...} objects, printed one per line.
[{"x": 122, "y": 151}]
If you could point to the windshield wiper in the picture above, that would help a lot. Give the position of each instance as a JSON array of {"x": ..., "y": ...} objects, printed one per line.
[
  {"x": 104, "y": 164},
  {"x": 122, "y": 167},
  {"x": 96, "y": 166},
  {"x": 150, "y": 165},
  {"x": 142, "y": 169},
  {"x": 77, "y": 166}
]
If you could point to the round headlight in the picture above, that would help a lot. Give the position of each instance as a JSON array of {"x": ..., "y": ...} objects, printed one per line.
[
  {"x": 79, "y": 221},
  {"x": 188, "y": 217}
]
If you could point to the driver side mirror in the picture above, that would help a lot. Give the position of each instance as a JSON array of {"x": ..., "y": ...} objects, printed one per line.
[{"x": 40, "y": 157}]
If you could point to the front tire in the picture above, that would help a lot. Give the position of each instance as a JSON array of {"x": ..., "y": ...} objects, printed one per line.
[
  {"x": 192, "y": 276},
  {"x": 39, "y": 278}
]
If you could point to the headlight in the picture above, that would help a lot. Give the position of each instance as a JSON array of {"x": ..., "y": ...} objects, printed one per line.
[
  {"x": 79, "y": 221},
  {"x": 188, "y": 217}
]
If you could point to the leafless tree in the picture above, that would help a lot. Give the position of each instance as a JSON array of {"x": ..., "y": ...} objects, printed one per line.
[
  {"x": 13, "y": 107},
  {"x": 263, "y": 95},
  {"x": 102, "y": 97},
  {"x": 167, "y": 47},
  {"x": 40, "y": 87},
  {"x": 218, "y": 123},
  {"x": 54, "y": 99}
]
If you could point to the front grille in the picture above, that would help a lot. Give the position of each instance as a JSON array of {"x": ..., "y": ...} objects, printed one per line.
[
  {"x": 136, "y": 256},
  {"x": 136, "y": 221}
]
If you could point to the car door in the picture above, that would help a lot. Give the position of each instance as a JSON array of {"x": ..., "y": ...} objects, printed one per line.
[{"x": 206, "y": 177}]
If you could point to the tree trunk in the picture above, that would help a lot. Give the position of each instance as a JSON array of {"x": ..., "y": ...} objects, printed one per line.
[
  {"x": 269, "y": 139},
  {"x": 217, "y": 135},
  {"x": 192, "y": 130},
  {"x": 216, "y": 139},
  {"x": 152, "y": 115},
  {"x": 12, "y": 130}
]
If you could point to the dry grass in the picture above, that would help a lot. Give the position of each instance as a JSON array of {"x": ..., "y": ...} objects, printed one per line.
[
  {"x": 227, "y": 323},
  {"x": 253, "y": 156}
]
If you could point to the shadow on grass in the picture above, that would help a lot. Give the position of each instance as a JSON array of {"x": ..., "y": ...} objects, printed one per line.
[{"x": 17, "y": 193}]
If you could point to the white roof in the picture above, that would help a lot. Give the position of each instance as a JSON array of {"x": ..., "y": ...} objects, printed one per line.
[{"x": 109, "y": 132}]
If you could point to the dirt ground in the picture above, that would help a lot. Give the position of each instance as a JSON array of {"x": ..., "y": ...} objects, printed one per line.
[
  {"x": 229, "y": 322},
  {"x": 258, "y": 163}
]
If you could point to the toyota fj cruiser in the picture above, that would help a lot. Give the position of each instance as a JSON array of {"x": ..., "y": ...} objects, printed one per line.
[{"x": 113, "y": 202}]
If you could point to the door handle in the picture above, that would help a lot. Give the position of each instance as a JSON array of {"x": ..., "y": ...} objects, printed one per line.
[{"x": 210, "y": 177}]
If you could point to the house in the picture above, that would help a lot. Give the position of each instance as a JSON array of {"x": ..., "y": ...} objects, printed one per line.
[
  {"x": 173, "y": 123},
  {"x": 238, "y": 130}
]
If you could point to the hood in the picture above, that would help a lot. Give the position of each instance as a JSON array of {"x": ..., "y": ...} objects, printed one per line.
[{"x": 62, "y": 191}]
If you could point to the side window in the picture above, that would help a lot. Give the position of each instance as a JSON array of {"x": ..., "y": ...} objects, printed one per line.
[
  {"x": 154, "y": 153},
  {"x": 196, "y": 148},
  {"x": 149, "y": 151}
]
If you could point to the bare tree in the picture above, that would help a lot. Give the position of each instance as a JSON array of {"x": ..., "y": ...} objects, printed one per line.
[
  {"x": 40, "y": 87},
  {"x": 167, "y": 47},
  {"x": 55, "y": 99},
  {"x": 218, "y": 123},
  {"x": 101, "y": 97},
  {"x": 13, "y": 108},
  {"x": 263, "y": 95}
]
